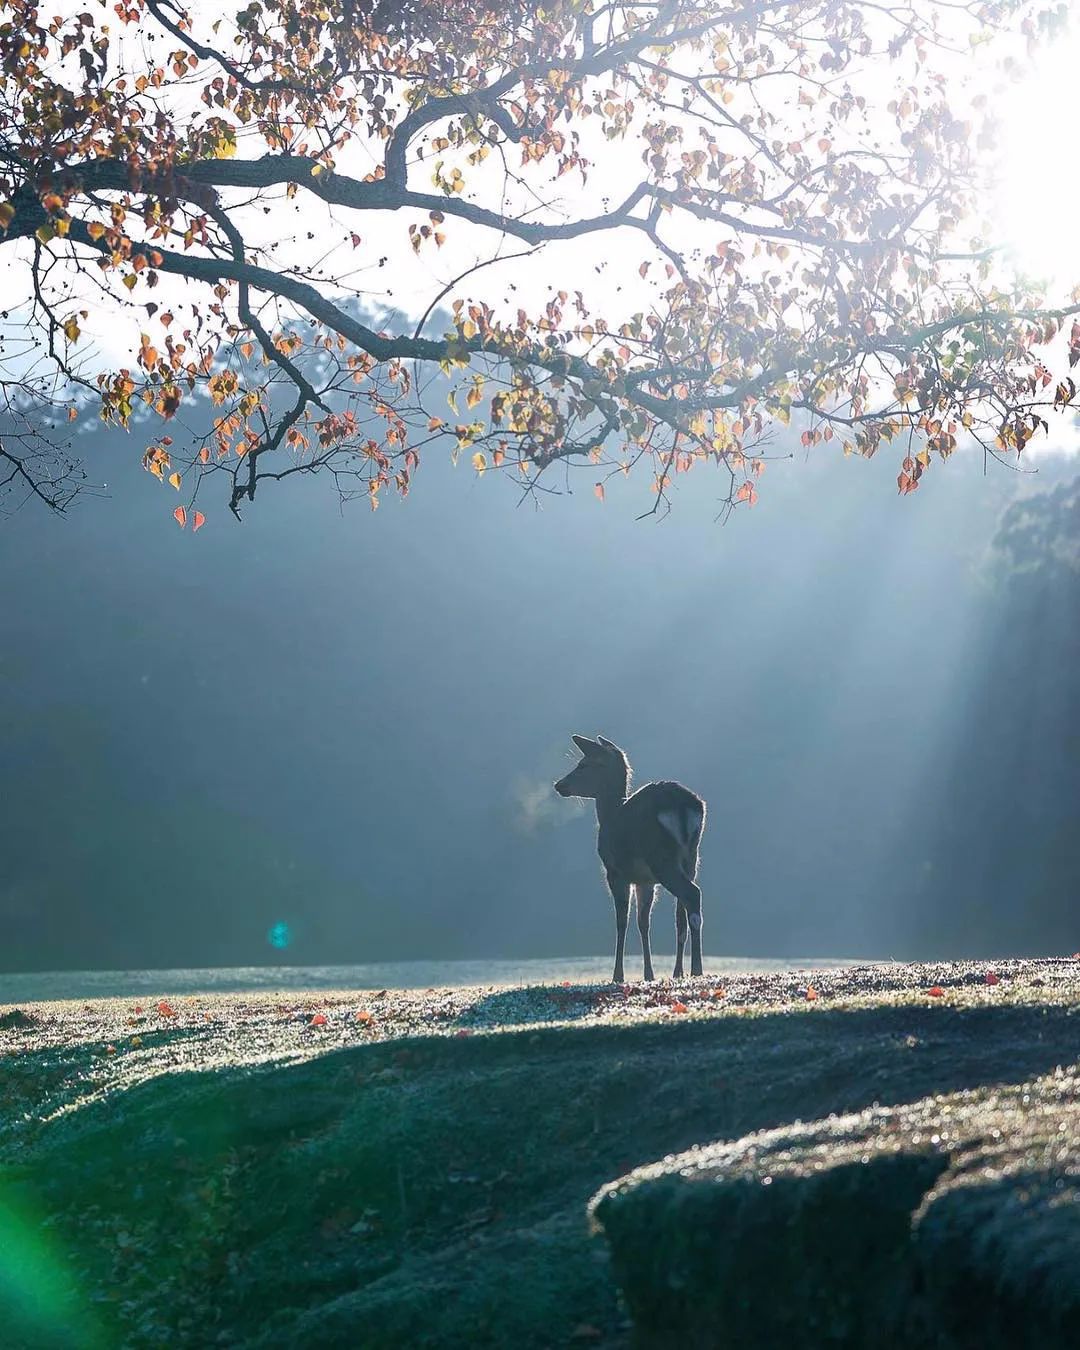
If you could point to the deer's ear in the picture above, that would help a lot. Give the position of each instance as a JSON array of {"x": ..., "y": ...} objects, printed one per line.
[{"x": 584, "y": 744}]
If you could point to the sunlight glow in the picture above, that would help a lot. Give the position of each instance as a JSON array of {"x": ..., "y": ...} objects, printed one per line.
[{"x": 1038, "y": 198}]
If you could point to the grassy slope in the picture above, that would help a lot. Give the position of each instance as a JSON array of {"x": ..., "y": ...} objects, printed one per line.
[{"x": 433, "y": 1190}]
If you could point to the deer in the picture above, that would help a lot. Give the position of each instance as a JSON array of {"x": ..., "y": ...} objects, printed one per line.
[{"x": 650, "y": 838}]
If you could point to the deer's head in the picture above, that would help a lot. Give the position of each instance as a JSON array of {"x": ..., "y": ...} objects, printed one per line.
[{"x": 602, "y": 771}]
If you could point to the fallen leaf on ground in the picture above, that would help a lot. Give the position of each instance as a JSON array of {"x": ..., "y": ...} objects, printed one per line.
[
  {"x": 991, "y": 978},
  {"x": 936, "y": 991},
  {"x": 165, "y": 1009}
]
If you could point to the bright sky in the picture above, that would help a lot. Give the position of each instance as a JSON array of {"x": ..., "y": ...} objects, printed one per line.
[{"x": 1038, "y": 200}]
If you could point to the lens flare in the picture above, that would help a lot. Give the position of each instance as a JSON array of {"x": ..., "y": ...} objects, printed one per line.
[{"x": 280, "y": 935}]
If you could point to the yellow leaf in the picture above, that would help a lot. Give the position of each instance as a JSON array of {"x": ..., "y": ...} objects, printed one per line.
[
  {"x": 479, "y": 463},
  {"x": 174, "y": 479},
  {"x": 129, "y": 281}
]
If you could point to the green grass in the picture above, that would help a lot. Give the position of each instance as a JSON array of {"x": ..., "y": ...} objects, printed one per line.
[{"x": 433, "y": 1190}]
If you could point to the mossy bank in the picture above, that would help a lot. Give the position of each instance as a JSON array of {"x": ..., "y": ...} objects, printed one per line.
[{"x": 417, "y": 1169}]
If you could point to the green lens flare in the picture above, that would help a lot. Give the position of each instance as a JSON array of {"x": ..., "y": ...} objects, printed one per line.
[{"x": 39, "y": 1297}]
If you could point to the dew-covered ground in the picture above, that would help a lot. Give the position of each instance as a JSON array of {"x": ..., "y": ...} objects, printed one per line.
[{"x": 414, "y": 1167}]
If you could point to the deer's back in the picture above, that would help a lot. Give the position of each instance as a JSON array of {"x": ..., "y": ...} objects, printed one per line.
[{"x": 660, "y": 823}]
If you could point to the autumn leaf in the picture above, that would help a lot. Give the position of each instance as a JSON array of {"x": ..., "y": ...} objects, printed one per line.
[
  {"x": 598, "y": 491},
  {"x": 175, "y": 480},
  {"x": 198, "y": 521},
  {"x": 165, "y": 1009},
  {"x": 991, "y": 977},
  {"x": 811, "y": 993},
  {"x": 678, "y": 1007},
  {"x": 936, "y": 991},
  {"x": 180, "y": 516},
  {"x": 319, "y": 1020},
  {"x": 479, "y": 463}
]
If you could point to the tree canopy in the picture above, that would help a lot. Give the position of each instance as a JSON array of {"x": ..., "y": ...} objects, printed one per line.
[{"x": 620, "y": 233}]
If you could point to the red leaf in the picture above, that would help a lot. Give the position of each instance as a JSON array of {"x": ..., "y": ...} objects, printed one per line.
[
  {"x": 718, "y": 993},
  {"x": 599, "y": 491},
  {"x": 679, "y": 1007},
  {"x": 180, "y": 516},
  {"x": 355, "y": 240},
  {"x": 166, "y": 1009},
  {"x": 936, "y": 991},
  {"x": 198, "y": 522},
  {"x": 319, "y": 1020},
  {"x": 991, "y": 978}
]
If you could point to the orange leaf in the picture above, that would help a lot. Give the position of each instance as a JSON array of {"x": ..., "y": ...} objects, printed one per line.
[
  {"x": 364, "y": 1016},
  {"x": 198, "y": 521},
  {"x": 599, "y": 491},
  {"x": 936, "y": 991},
  {"x": 166, "y": 1009},
  {"x": 811, "y": 993},
  {"x": 678, "y": 1007},
  {"x": 718, "y": 993},
  {"x": 319, "y": 1020},
  {"x": 180, "y": 516},
  {"x": 174, "y": 479},
  {"x": 204, "y": 455}
]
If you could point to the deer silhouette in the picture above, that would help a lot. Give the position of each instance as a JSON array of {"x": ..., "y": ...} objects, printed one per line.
[{"x": 645, "y": 840}]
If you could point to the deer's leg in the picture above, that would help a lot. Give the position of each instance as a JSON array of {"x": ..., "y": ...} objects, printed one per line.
[
  {"x": 620, "y": 894},
  {"x": 680, "y": 939},
  {"x": 645, "y": 897},
  {"x": 687, "y": 895}
]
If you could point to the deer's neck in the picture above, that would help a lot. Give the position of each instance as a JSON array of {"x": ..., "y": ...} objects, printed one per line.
[{"x": 608, "y": 805}]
